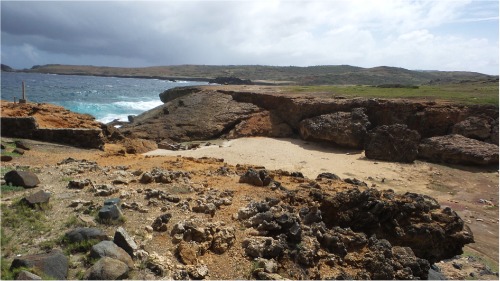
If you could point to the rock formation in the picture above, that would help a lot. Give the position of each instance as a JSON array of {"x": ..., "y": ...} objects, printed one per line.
[{"x": 392, "y": 143}]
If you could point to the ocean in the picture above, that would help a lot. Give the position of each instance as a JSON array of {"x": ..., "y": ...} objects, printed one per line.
[{"x": 105, "y": 98}]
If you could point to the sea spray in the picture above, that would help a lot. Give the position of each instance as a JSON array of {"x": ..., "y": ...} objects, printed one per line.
[{"x": 105, "y": 98}]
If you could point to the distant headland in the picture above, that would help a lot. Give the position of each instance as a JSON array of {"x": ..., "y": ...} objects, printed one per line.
[{"x": 270, "y": 75}]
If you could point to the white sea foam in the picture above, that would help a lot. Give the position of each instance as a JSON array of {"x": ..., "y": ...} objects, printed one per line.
[{"x": 138, "y": 105}]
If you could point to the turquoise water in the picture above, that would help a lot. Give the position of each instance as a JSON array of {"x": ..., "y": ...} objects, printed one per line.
[{"x": 106, "y": 98}]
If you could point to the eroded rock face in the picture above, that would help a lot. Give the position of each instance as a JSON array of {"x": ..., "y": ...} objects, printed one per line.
[
  {"x": 392, "y": 143},
  {"x": 474, "y": 127},
  {"x": 409, "y": 220},
  {"x": 342, "y": 128},
  {"x": 457, "y": 149},
  {"x": 195, "y": 116},
  {"x": 300, "y": 235}
]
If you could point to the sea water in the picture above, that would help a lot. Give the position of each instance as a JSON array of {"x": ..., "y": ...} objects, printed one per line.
[{"x": 105, "y": 98}]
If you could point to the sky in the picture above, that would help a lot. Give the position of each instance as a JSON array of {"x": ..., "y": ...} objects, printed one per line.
[{"x": 448, "y": 35}]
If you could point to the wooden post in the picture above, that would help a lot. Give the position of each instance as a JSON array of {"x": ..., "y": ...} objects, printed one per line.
[{"x": 23, "y": 100}]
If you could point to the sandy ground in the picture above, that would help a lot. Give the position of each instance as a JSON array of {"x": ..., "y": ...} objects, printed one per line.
[{"x": 459, "y": 187}]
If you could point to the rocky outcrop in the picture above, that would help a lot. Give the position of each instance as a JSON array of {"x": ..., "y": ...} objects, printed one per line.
[
  {"x": 457, "y": 149},
  {"x": 394, "y": 143},
  {"x": 346, "y": 129},
  {"x": 197, "y": 116},
  {"x": 409, "y": 220}
]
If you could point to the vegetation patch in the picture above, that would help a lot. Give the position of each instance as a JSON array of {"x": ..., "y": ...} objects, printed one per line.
[{"x": 463, "y": 93}]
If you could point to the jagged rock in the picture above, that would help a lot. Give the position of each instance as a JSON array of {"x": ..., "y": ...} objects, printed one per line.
[
  {"x": 105, "y": 190},
  {"x": 329, "y": 176},
  {"x": 355, "y": 182},
  {"x": 160, "y": 223},
  {"x": 342, "y": 128},
  {"x": 208, "y": 208},
  {"x": 53, "y": 264},
  {"x": 124, "y": 241},
  {"x": 188, "y": 252},
  {"x": 110, "y": 249},
  {"x": 111, "y": 210},
  {"x": 211, "y": 236},
  {"x": 79, "y": 184},
  {"x": 25, "y": 179},
  {"x": 257, "y": 178},
  {"x": 39, "y": 198},
  {"x": 198, "y": 272},
  {"x": 263, "y": 247},
  {"x": 146, "y": 178},
  {"x": 457, "y": 149},
  {"x": 409, "y": 220},
  {"x": 392, "y": 143},
  {"x": 473, "y": 127},
  {"x": 85, "y": 233},
  {"x": 107, "y": 268},
  {"x": 26, "y": 275}
]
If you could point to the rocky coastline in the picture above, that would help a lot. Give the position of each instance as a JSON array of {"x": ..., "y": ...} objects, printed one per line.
[{"x": 116, "y": 214}]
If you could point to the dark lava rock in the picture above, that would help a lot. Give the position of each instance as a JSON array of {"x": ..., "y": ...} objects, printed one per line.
[
  {"x": 125, "y": 241},
  {"x": 54, "y": 264},
  {"x": 330, "y": 176},
  {"x": 111, "y": 210},
  {"x": 6, "y": 158},
  {"x": 394, "y": 143},
  {"x": 85, "y": 233},
  {"x": 457, "y": 149},
  {"x": 257, "y": 178},
  {"x": 25, "y": 179},
  {"x": 410, "y": 220},
  {"x": 37, "y": 199},
  {"x": 160, "y": 223}
]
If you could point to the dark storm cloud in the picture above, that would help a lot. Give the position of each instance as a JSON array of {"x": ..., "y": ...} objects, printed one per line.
[{"x": 274, "y": 32}]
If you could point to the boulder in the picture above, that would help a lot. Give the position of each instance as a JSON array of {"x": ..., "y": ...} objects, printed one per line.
[
  {"x": 457, "y": 149},
  {"x": 84, "y": 234},
  {"x": 394, "y": 143},
  {"x": 22, "y": 145},
  {"x": 473, "y": 127},
  {"x": 110, "y": 249},
  {"x": 111, "y": 210},
  {"x": 346, "y": 129},
  {"x": 160, "y": 223},
  {"x": 257, "y": 178},
  {"x": 107, "y": 269},
  {"x": 53, "y": 264},
  {"x": 37, "y": 199},
  {"x": 25, "y": 179},
  {"x": 125, "y": 241}
]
